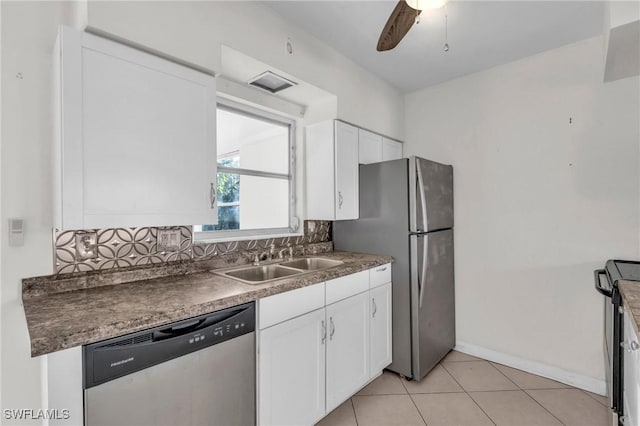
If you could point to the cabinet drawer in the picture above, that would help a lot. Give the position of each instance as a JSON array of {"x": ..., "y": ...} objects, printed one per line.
[
  {"x": 343, "y": 287},
  {"x": 380, "y": 275},
  {"x": 281, "y": 307}
]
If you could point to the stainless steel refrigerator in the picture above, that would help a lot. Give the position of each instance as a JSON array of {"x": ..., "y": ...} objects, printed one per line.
[{"x": 406, "y": 211}]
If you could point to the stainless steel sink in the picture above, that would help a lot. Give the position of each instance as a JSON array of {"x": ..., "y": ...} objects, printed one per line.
[
  {"x": 264, "y": 273},
  {"x": 260, "y": 274},
  {"x": 312, "y": 263}
]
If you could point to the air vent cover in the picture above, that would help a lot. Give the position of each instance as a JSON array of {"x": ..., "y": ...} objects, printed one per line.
[{"x": 271, "y": 82}]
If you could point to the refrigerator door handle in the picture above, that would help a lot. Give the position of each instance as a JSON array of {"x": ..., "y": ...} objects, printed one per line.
[
  {"x": 423, "y": 197},
  {"x": 422, "y": 278}
]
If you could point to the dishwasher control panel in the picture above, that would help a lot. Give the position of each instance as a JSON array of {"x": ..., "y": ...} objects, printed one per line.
[
  {"x": 236, "y": 328},
  {"x": 117, "y": 357}
]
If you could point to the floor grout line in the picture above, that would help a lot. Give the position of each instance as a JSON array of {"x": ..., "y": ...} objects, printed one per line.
[
  {"x": 505, "y": 376},
  {"x": 353, "y": 408},
  {"x": 389, "y": 394},
  {"x": 525, "y": 391},
  {"x": 594, "y": 398},
  {"x": 419, "y": 412},
  {"x": 468, "y": 393},
  {"x": 545, "y": 409},
  {"x": 470, "y": 397}
]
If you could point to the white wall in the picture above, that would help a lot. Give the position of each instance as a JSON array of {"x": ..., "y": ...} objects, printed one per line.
[
  {"x": 196, "y": 32},
  {"x": 192, "y": 31},
  {"x": 28, "y": 33},
  {"x": 539, "y": 202}
]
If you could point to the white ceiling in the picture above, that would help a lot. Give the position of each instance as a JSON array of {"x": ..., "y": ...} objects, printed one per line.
[{"x": 482, "y": 34}]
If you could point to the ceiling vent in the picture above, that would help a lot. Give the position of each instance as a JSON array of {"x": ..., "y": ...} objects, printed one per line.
[{"x": 271, "y": 82}]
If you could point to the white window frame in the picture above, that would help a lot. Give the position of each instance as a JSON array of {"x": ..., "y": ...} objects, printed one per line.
[{"x": 294, "y": 223}]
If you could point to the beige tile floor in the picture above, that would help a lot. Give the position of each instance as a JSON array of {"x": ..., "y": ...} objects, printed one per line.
[{"x": 466, "y": 391}]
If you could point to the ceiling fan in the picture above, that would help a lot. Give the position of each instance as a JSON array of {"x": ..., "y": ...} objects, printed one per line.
[{"x": 404, "y": 15}]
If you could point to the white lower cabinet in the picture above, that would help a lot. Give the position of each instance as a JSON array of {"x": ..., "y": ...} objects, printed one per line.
[
  {"x": 631, "y": 373},
  {"x": 292, "y": 371},
  {"x": 380, "y": 332},
  {"x": 347, "y": 348},
  {"x": 310, "y": 363}
]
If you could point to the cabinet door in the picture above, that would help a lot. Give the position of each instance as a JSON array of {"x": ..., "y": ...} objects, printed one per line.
[
  {"x": 369, "y": 147},
  {"x": 391, "y": 150},
  {"x": 631, "y": 374},
  {"x": 137, "y": 140},
  {"x": 347, "y": 348},
  {"x": 380, "y": 329},
  {"x": 346, "y": 171},
  {"x": 292, "y": 371}
]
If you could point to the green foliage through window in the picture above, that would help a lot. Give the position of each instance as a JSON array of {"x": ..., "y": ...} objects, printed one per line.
[{"x": 228, "y": 193}]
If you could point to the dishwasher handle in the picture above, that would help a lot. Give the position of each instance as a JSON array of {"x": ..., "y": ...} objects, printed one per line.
[
  {"x": 186, "y": 327},
  {"x": 178, "y": 330}
]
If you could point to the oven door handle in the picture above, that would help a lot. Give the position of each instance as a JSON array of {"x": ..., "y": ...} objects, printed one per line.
[{"x": 596, "y": 276}]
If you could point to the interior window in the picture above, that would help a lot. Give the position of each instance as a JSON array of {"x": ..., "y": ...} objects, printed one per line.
[{"x": 255, "y": 174}]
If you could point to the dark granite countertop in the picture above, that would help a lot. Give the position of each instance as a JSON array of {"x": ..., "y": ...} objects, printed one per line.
[
  {"x": 100, "y": 308},
  {"x": 630, "y": 291}
]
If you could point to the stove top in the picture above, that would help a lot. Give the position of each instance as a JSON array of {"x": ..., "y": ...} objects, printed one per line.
[{"x": 623, "y": 270}]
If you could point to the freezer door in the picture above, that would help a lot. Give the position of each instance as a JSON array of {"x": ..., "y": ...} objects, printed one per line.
[
  {"x": 431, "y": 196},
  {"x": 433, "y": 307}
]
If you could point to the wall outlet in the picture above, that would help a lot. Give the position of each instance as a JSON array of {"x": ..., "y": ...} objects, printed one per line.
[
  {"x": 169, "y": 239},
  {"x": 86, "y": 245}
]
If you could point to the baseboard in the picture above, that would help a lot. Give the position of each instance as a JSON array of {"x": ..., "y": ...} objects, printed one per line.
[{"x": 550, "y": 372}]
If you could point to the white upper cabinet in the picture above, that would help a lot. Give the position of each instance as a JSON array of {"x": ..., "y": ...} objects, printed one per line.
[
  {"x": 391, "y": 150},
  {"x": 332, "y": 171},
  {"x": 347, "y": 194},
  {"x": 370, "y": 147},
  {"x": 374, "y": 148},
  {"x": 136, "y": 138}
]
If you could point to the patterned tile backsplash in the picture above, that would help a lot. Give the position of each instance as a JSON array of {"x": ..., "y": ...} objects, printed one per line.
[{"x": 126, "y": 247}]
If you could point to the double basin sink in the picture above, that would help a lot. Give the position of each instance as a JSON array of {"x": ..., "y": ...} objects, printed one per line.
[{"x": 264, "y": 273}]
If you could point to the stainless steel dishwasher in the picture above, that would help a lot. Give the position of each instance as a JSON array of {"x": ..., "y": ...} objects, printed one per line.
[{"x": 200, "y": 371}]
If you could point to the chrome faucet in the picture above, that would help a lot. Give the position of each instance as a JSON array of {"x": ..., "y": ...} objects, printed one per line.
[{"x": 288, "y": 249}]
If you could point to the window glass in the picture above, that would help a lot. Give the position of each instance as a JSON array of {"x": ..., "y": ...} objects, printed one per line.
[
  {"x": 254, "y": 181},
  {"x": 254, "y": 143}
]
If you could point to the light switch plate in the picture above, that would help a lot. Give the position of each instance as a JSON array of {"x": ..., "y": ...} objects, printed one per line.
[
  {"x": 16, "y": 232},
  {"x": 169, "y": 240},
  {"x": 86, "y": 245}
]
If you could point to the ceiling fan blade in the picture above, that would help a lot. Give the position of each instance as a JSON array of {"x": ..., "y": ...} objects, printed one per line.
[{"x": 400, "y": 22}]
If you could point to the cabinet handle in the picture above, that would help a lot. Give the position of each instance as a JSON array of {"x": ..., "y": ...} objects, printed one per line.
[
  {"x": 375, "y": 308},
  {"x": 381, "y": 269},
  {"x": 339, "y": 199},
  {"x": 324, "y": 333},
  {"x": 333, "y": 328},
  {"x": 212, "y": 195}
]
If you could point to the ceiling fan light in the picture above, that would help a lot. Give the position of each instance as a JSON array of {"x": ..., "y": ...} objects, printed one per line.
[{"x": 425, "y": 4}]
